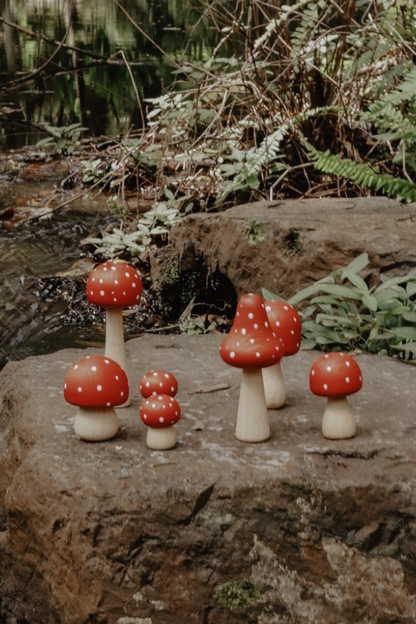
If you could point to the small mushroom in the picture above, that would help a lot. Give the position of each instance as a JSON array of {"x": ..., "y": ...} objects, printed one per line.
[
  {"x": 96, "y": 384},
  {"x": 335, "y": 376},
  {"x": 286, "y": 322},
  {"x": 114, "y": 286},
  {"x": 251, "y": 345},
  {"x": 158, "y": 382},
  {"x": 159, "y": 413}
]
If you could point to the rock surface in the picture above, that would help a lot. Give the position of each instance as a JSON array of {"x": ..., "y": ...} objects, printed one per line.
[
  {"x": 115, "y": 533},
  {"x": 303, "y": 241}
]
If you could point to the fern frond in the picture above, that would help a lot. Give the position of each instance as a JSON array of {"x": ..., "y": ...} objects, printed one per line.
[
  {"x": 274, "y": 24},
  {"x": 363, "y": 175},
  {"x": 404, "y": 92}
]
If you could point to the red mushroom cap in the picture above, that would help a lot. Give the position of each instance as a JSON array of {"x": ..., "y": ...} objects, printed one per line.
[
  {"x": 251, "y": 342},
  {"x": 287, "y": 324},
  {"x": 96, "y": 381},
  {"x": 158, "y": 382},
  {"x": 160, "y": 411},
  {"x": 114, "y": 284},
  {"x": 335, "y": 375}
]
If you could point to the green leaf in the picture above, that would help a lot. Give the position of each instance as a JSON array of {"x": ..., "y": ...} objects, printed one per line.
[
  {"x": 408, "y": 333},
  {"x": 269, "y": 296},
  {"x": 370, "y": 302},
  {"x": 252, "y": 181},
  {"x": 357, "y": 265}
]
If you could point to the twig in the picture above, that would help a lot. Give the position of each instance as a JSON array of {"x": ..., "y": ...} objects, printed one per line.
[{"x": 209, "y": 389}]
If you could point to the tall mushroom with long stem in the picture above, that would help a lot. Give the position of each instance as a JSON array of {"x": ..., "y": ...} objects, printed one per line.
[
  {"x": 96, "y": 384},
  {"x": 114, "y": 286},
  {"x": 286, "y": 323},
  {"x": 335, "y": 376},
  {"x": 251, "y": 345}
]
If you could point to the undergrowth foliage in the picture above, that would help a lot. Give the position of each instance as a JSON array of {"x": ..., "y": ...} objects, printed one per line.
[
  {"x": 342, "y": 313},
  {"x": 297, "y": 99}
]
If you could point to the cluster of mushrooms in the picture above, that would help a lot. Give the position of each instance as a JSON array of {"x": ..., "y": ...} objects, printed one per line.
[
  {"x": 97, "y": 384},
  {"x": 262, "y": 334}
]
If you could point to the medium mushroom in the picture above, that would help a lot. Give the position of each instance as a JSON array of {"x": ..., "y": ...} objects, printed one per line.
[
  {"x": 251, "y": 345},
  {"x": 335, "y": 376},
  {"x": 114, "y": 286},
  {"x": 160, "y": 413},
  {"x": 286, "y": 322},
  {"x": 96, "y": 384},
  {"x": 158, "y": 382}
]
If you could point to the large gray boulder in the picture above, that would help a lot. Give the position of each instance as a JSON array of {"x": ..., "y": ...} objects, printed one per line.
[
  {"x": 286, "y": 245},
  {"x": 113, "y": 532}
]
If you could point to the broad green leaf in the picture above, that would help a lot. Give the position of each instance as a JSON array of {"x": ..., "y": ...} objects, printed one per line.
[
  {"x": 410, "y": 317},
  {"x": 356, "y": 280},
  {"x": 335, "y": 320},
  {"x": 357, "y": 265},
  {"x": 408, "y": 333},
  {"x": 411, "y": 288},
  {"x": 341, "y": 291},
  {"x": 370, "y": 302},
  {"x": 405, "y": 346},
  {"x": 269, "y": 296},
  {"x": 305, "y": 293}
]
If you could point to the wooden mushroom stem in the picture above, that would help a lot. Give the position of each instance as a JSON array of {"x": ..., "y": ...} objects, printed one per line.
[
  {"x": 252, "y": 418},
  {"x": 338, "y": 422},
  {"x": 274, "y": 387},
  {"x": 161, "y": 439},
  {"x": 96, "y": 424},
  {"x": 114, "y": 340}
]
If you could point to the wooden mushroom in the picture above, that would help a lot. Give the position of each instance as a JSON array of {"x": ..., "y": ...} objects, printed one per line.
[
  {"x": 96, "y": 384},
  {"x": 114, "y": 286},
  {"x": 158, "y": 382},
  {"x": 286, "y": 323},
  {"x": 335, "y": 376},
  {"x": 251, "y": 345},
  {"x": 159, "y": 413}
]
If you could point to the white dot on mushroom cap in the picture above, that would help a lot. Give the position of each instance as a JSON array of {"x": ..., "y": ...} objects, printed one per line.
[
  {"x": 115, "y": 300},
  {"x": 91, "y": 292},
  {"x": 105, "y": 269},
  {"x": 102, "y": 293},
  {"x": 255, "y": 326},
  {"x": 161, "y": 419},
  {"x": 252, "y": 340},
  {"x": 268, "y": 308},
  {"x": 285, "y": 307},
  {"x": 347, "y": 379},
  {"x": 108, "y": 404},
  {"x": 161, "y": 384},
  {"x": 347, "y": 363},
  {"x": 121, "y": 393},
  {"x": 250, "y": 315},
  {"x": 113, "y": 268},
  {"x": 93, "y": 368},
  {"x": 65, "y": 386},
  {"x": 147, "y": 384},
  {"x": 101, "y": 280},
  {"x": 232, "y": 355},
  {"x": 257, "y": 354},
  {"x": 172, "y": 389},
  {"x": 238, "y": 344},
  {"x": 312, "y": 372},
  {"x": 154, "y": 374},
  {"x": 145, "y": 416},
  {"x": 176, "y": 413},
  {"x": 137, "y": 297},
  {"x": 133, "y": 285},
  {"x": 244, "y": 331},
  {"x": 124, "y": 293},
  {"x": 79, "y": 389},
  {"x": 266, "y": 324},
  {"x": 329, "y": 368},
  {"x": 127, "y": 274},
  {"x": 164, "y": 406},
  {"x": 87, "y": 357},
  {"x": 166, "y": 376},
  {"x": 76, "y": 366},
  {"x": 295, "y": 320},
  {"x": 116, "y": 377},
  {"x": 153, "y": 405},
  {"x": 292, "y": 332},
  {"x": 115, "y": 281},
  {"x": 326, "y": 356},
  {"x": 154, "y": 393},
  {"x": 325, "y": 386},
  {"x": 360, "y": 378},
  {"x": 93, "y": 279},
  {"x": 160, "y": 398},
  {"x": 107, "y": 361},
  {"x": 235, "y": 331},
  {"x": 99, "y": 388}
]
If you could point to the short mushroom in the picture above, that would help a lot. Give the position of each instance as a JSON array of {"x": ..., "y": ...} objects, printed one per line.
[
  {"x": 96, "y": 384},
  {"x": 158, "y": 382},
  {"x": 160, "y": 413},
  {"x": 114, "y": 286},
  {"x": 251, "y": 345},
  {"x": 286, "y": 323},
  {"x": 335, "y": 376}
]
